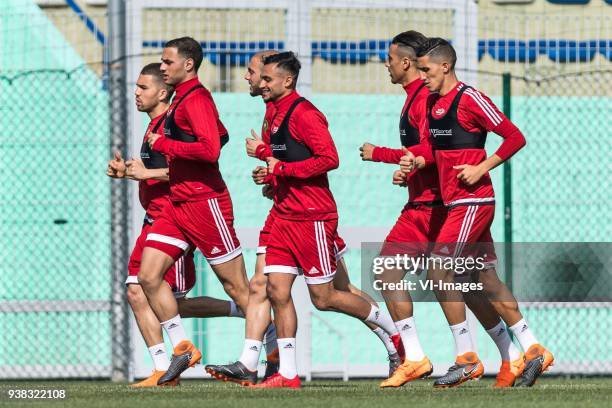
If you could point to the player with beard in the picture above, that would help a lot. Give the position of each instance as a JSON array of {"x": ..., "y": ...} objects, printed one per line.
[{"x": 244, "y": 371}]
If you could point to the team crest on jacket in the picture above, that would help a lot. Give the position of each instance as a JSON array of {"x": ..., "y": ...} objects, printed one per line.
[{"x": 265, "y": 126}]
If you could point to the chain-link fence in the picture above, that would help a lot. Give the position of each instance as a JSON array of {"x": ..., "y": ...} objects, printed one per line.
[
  {"x": 56, "y": 291},
  {"x": 56, "y": 288},
  {"x": 561, "y": 193},
  {"x": 56, "y": 295}
]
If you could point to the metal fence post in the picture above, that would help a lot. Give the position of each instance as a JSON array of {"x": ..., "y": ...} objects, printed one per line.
[
  {"x": 507, "y": 107},
  {"x": 119, "y": 191}
]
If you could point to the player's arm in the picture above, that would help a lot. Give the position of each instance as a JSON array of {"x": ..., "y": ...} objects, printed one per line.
[
  {"x": 417, "y": 156},
  {"x": 311, "y": 128},
  {"x": 380, "y": 154},
  {"x": 159, "y": 174},
  {"x": 201, "y": 118},
  {"x": 136, "y": 170},
  {"x": 263, "y": 151},
  {"x": 478, "y": 110}
]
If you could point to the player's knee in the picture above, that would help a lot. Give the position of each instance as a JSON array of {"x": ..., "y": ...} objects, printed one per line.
[
  {"x": 153, "y": 266},
  {"x": 135, "y": 296},
  {"x": 321, "y": 301},
  {"x": 342, "y": 285},
  {"x": 277, "y": 294},
  {"x": 440, "y": 274},
  {"x": 146, "y": 280},
  {"x": 511, "y": 306},
  {"x": 257, "y": 286},
  {"x": 231, "y": 289},
  {"x": 272, "y": 292},
  {"x": 322, "y": 304},
  {"x": 490, "y": 281},
  {"x": 238, "y": 293}
]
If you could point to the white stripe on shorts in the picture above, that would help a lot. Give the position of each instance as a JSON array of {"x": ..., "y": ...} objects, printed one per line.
[
  {"x": 220, "y": 223},
  {"x": 182, "y": 273},
  {"x": 322, "y": 248},
  {"x": 168, "y": 240},
  {"x": 466, "y": 227},
  {"x": 176, "y": 275},
  {"x": 224, "y": 225}
]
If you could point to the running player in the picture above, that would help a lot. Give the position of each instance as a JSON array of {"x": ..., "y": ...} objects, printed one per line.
[
  {"x": 421, "y": 219},
  {"x": 304, "y": 229},
  {"x": 459, "y": 118},
  {"x": 386, "y": 331},
  {"x": 243, "y": 371},
  {"x": 200, "y": 210},
  {"x": 259, "y": 326},
  {"x": 153, "y": 97}
]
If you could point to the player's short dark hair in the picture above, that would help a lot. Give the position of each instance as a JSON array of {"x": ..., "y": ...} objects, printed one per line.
[
  {"x": 286, "y": 61},
  {"x": 154, "y": 70},
  {"x": 187, "y": 47},
  {"x": 409, "y": 41},
  {"x": 438, "y": 48}
]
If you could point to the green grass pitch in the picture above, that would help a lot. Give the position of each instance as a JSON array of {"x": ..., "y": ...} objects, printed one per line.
[{"x": 548, "y": 392}]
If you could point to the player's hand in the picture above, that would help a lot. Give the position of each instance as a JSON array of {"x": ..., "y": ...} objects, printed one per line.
[
  {"x": 399, "y": 178},
  {"x": 268, "y": 191},
  {"x": 152, "y": 139},
  {"x": 272, "y": 162},
  {"x": 116, "y": 166},
  {"x": 252, "y": 143},
  {"x": 419, "y": 162},
  {"x": 259, "y": 174},
  {"x": 469, "y": 174},
  {"x": 407, "y": 161},
  {"x": 136, "y": 170},
  {"x": 366, "y": 151}
]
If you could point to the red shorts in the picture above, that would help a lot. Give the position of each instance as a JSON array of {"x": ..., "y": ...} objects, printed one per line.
[
  {"x": 415, "y": 230},
  {"x": 207, "y": 225},
  {"x": 305, "y": 245},
  {"x": 467, "y": 234},
  {"x": 181, "y": 276},
  {"x": 264, "y": 234},
  {"x": 340, "y": 247}
]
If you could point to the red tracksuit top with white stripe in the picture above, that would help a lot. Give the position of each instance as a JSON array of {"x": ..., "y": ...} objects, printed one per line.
[
  {"x": 301, "y": 188},
  {"x": 475, "y": 116},
  {"x": 193, "y": 166},
  {"x": 423, "y": 185}
]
